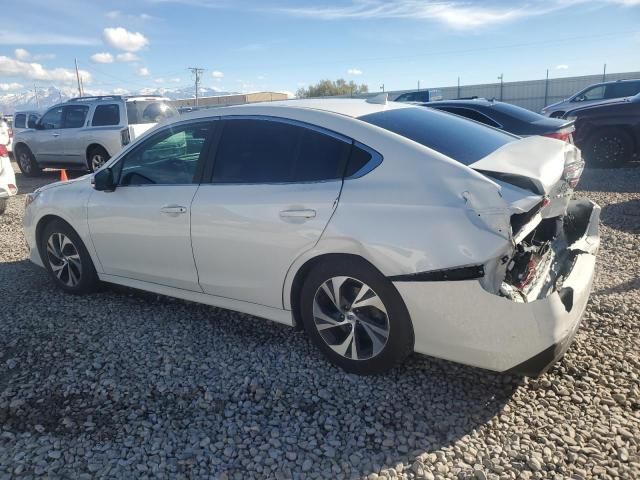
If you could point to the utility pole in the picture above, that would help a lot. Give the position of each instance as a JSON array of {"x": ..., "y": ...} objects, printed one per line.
[
  {"x": 418, "y": 84},
  {"x": 458, "y": 87},
  {"x": 382, "y": 87},
  {"x": 78, "y": 78},
  {"x": 197, "y": 71},
  {"x": 35, "y": 94},
  {"x": 546, "y": 89},
  {"x": 501, "y": 78},
  {"x": 604, "y": 73}
]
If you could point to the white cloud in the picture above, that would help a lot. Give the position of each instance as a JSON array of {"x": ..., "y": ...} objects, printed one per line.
[
  {"x": 262, "y": 77},
  {"x": 13, "y": 37},
  {"x": 5, "y": 87},
  {"x": 122, "y": 39},
  {"x": 217, "y": 74},
  {"x": 117, "y": 14},
  {"x": 113, "y": 14},
  {"x": 562, "y": 67},
  {"x": 127, "y": 57},
  {"x": 143, "y": 72},
  {"x": 44, "y": 56},
  {"x": 354, "y": 71},
  {"x": 22, "y": 54},
  {"x": 453, "y": 13},
  {"x": 103, "y": 57},
  {"x": 120, "y": 91},
  {"x": 35, "y": 71}
]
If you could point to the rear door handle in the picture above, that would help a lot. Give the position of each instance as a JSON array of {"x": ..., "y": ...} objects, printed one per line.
[
  {"x": 173, "y": 210},
  {"x": 302, "y": 213}
]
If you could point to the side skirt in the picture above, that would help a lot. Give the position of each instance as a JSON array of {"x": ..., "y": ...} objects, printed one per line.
[{"x": 270, "y": 313}]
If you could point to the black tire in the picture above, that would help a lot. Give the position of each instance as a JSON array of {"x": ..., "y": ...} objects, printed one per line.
[
  {"x": 400, "y": 339},
  {"x": 608, "y": 148},
  {"x": 96, "y": 157},
  {"x": 27, "y": 162},
  {"x": 88, "y": 280},
  {"x": 3, "y": 205}
]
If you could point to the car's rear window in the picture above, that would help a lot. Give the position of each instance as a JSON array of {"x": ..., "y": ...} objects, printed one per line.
[
  {"x": 518, "y": 112},
  {"x": 453, "y": 136},
  {"x": 149, "y": 111}
]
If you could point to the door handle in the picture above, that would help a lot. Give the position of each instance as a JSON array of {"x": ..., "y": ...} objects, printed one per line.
[
  {"x": 173, "y": 210},
  {"x": 302, "y": 213},
  {"x": 55, "y": 134}
]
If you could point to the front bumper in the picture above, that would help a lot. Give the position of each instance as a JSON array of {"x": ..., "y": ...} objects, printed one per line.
[{"x": 462, "y": 322}]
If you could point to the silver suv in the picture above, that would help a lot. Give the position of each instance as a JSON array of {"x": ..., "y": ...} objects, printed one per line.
[
  {"x": 594, "y": 94},
  {"x": 84, "y": 132}
]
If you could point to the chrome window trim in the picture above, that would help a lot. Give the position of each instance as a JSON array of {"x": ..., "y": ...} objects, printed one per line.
[{"x": 372, "y": 164}]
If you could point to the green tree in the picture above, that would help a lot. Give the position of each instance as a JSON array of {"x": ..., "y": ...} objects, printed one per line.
[{"x": 327, "y": 88}]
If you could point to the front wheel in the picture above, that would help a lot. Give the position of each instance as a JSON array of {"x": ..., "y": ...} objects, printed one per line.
[
  {"x": 67, "y": 259},
  {"x": 608, "y": 148},
  {"x": 356, "y": 317},
  {"x": 27, "y": 162}
]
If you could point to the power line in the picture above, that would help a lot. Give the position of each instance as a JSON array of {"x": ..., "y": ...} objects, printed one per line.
[{"x": 197, "y": 71}]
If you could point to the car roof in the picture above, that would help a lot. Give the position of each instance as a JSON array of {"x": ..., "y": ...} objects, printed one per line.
[
  {"x": 350, "y": 107},
  {"x": 470, "y": 102}
]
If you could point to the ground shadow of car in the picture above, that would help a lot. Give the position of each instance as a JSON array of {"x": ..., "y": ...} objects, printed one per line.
[
  {"x": 122, "y": 369},
  {"x": 624, "y": 216}
]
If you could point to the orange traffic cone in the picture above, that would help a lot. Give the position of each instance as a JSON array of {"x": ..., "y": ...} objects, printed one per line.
[{"x": 63, "y": 175}]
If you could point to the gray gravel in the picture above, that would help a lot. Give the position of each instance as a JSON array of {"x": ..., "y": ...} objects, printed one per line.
[{"x": 124, "y": 384}]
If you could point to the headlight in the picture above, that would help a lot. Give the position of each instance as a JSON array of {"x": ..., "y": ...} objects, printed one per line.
[{"x": 29, "y": 198}]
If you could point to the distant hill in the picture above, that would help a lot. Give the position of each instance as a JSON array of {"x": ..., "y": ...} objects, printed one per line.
[{"x": 47, "y": 97}]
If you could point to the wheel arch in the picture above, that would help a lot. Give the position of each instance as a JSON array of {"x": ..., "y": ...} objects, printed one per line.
[
  {"x": 93, "y": 145},
  {"x": 297, "y": 280},
  {"x": 20, "y": 145}
]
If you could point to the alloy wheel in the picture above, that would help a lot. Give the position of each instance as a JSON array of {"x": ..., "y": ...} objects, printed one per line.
[
  {"x": 25, "y": 162},
  {"x": 97, "y": 160},
  {"x": 351, "y": 318},
  {"x": 64, "y": 259}
]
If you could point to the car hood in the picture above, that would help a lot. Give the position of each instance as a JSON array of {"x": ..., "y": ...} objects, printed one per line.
[
  {"x": 83, "y": 179},
  {"x": 539, "y": 161}
]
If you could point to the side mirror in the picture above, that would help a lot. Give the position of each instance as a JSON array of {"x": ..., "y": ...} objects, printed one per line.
[{"x": 103, "y": 180}]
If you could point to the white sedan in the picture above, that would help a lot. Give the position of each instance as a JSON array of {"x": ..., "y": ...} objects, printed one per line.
[
  {"x": 8, "y": 186},
  {"x": 380, "y": 228}
]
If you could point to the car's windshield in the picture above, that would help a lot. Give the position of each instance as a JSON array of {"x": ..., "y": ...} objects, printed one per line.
[
  {"x": 453, "y": 136},
  {"x": 149, "y": 111}
]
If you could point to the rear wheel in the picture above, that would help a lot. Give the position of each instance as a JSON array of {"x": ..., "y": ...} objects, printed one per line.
[
  {"x": 27, "y": 162},
  {"x": 356, "y": 317},
  {"x": 96, "y": 158},
  {"x": 608, "y": 148},
  {"x": 67, "y": 259},
  {"x": 3, "y": 205}
]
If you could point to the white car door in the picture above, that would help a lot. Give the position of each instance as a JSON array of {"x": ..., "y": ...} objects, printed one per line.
[
  {"x": 273, "y": 188},
  {"x": 141, "y": 230}
]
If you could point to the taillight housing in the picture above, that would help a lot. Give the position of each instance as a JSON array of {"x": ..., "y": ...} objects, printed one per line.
[
  {"x": 125, "y": 137},
  {"x": 566, "y": 135},
  {"x": 573, "y": 166},
  {"x": 3, "y": 151}
]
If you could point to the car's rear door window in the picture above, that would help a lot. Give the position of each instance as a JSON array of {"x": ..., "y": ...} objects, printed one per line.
[
  {"x": 622, "y": 89},
  {"x": 105, "y": 115},
  {"x": 455, "y": 137},
  {"x": 20, "y": 121},
  {"x": 274, "y": 151}
]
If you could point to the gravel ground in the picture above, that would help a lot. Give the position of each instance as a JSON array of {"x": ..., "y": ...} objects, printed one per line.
[{"x": 124, "y": 384}]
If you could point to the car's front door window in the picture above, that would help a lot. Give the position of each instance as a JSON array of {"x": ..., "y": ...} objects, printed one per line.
[
  {"x": 52, "y": 120},
  {"x": 169, "y": 158},
  {"x": 595, "y": 93}
]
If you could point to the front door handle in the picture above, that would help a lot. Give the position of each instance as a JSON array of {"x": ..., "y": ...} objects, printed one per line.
[
  {"x": 55, "y": 134},
  {"x": 302, "y": 213},
  {"x": 173, "y": 210}
]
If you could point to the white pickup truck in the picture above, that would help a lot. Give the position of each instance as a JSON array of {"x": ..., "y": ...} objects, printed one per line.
[{"x": 84, "y": 132}]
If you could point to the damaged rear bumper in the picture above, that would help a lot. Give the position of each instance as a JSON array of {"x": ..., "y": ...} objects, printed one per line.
[{"x": 463, "y": 322}]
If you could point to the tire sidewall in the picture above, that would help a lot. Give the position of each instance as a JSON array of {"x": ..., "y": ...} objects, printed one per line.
[
  {"x": 88, "y": 278},
  {"x": 401, "y": 338},
  {"x": 97, "y": 151},
  {"x": 596, "y": 137},
  {"x": 32, "y": 168}
]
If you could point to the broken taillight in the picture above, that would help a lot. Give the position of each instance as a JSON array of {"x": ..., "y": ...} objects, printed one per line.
[{"x": 573, "y": 166}]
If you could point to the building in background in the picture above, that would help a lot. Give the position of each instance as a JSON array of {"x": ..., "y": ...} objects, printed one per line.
[{"x": 233, "y": 99}]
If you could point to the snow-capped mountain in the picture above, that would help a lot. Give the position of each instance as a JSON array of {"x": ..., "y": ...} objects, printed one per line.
[{"x": 46, "y": 97}]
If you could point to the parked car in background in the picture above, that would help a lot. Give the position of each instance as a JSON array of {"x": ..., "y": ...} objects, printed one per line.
[
  {"x": 507, "y": 117},
  {"x": 84, "y": 132},
  {"x": 605, "y": 92},
  {"x": 426, "y": 95},
  {"x": 24, "y": 120},
  {"x": 609, "y": 134},
  {"x": 8, "y": 186},
  {"x": 345, "y": 216}
]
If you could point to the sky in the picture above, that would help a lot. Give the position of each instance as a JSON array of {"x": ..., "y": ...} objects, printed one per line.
[{"x": 281, "y": 45}]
